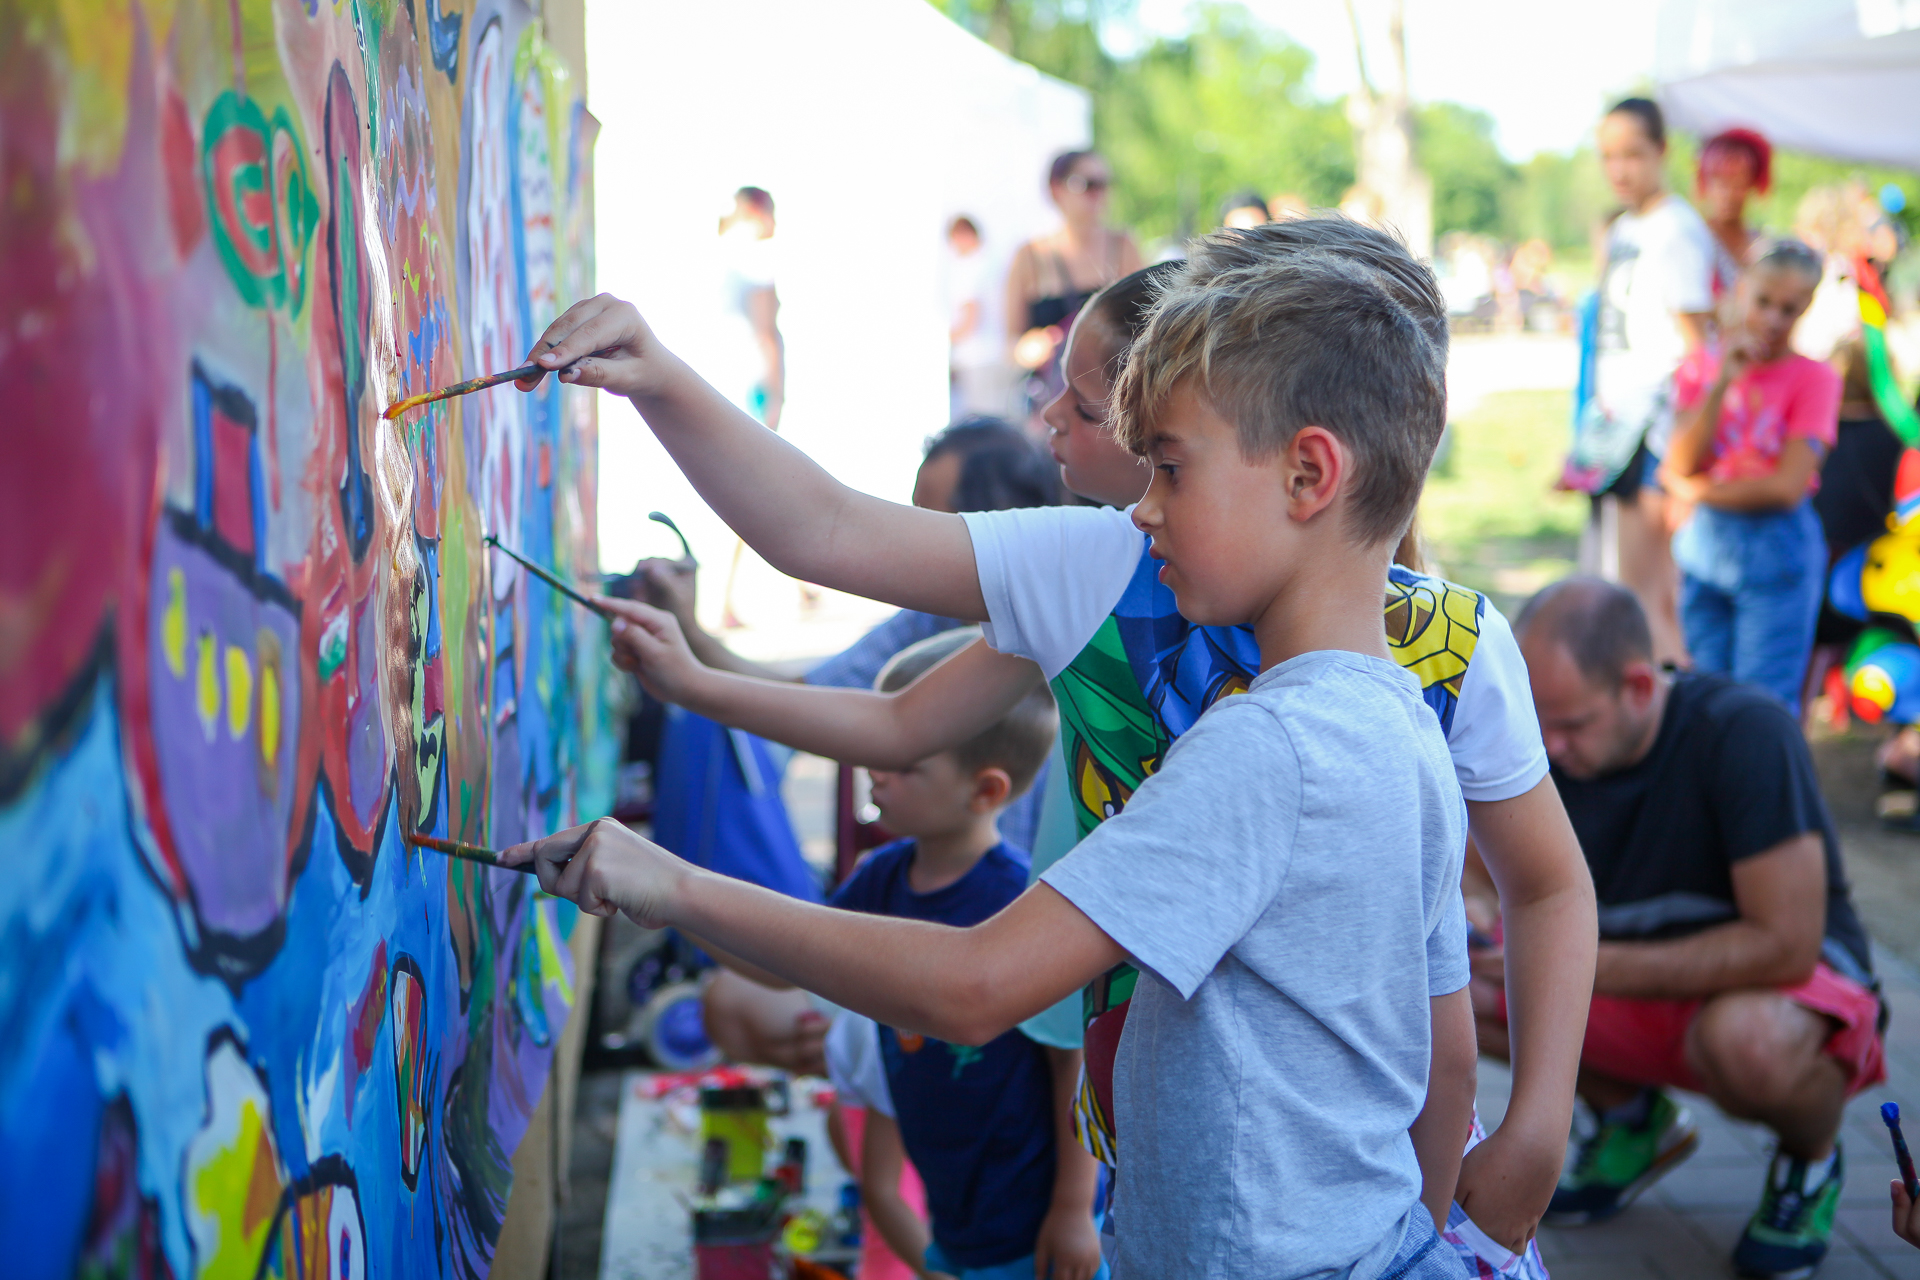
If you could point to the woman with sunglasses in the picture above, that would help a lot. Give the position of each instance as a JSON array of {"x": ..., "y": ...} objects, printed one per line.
[{"x": 1053, "y": 275}]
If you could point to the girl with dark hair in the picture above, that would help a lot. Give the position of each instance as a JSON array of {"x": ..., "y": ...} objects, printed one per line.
[
  {"x": 1735, "y": 165},
  {"x": 1052, "y": 276},
  {"x": 1656, "y": 306}
]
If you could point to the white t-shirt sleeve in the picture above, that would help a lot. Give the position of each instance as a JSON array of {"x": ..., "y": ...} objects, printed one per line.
[
  {"x": 1684, "y": 260},
  {"x": 854, "y": 1066},
  {"x": 1495, "y": 743},
  {"x": 1051, "y": 575}
]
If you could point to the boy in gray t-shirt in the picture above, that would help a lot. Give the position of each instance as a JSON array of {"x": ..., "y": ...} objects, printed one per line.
[
  {"x": 1296, "y": 1077},
  {"x": 1288, "y": 885}
]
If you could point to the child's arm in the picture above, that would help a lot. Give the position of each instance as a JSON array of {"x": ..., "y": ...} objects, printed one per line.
[
  {"x": 1069, "y": 1243},
  {"x": 964, "y": 986},
  {"x": 1782, "y": 488},
  {"x": 1690, "y": 447},
  {"x": 882, "y": 1157},
  {"x": 1551, "y": 932},
  {"x": 804, "y": 522},
  {"x": 1440, "y": 1132},
  {"x": 751, "y": 1023},
  {"x": 961, "y": 697}
]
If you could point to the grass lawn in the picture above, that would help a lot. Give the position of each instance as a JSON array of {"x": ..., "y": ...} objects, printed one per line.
[{"x": 1491, "y": 518}]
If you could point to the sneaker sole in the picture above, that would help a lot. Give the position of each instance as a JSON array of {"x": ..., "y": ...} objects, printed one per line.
[
  {"x": 1801, "y": 1273},
  {"x": 1666, "y": 1162}
]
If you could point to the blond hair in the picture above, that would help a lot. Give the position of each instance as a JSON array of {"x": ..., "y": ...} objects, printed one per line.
[{"x": 1314, "y": 336}]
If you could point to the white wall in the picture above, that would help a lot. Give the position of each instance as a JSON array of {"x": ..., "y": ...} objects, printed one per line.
[{"x": 872, "y": 122}]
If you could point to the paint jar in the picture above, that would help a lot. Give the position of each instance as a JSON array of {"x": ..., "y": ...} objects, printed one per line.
[{"x": 737, "y": 1117}]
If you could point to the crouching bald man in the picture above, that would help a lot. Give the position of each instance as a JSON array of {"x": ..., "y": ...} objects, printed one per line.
[{"x": 1731, "y": 962}]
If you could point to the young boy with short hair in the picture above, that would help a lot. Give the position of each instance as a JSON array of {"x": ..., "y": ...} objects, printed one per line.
[
  {"x": 1077, "y": 593},
  {"x": 1286, "y": 881},
  {"x": 984, "y": 1125}
]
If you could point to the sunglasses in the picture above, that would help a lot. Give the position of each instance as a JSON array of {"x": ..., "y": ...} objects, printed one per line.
[{"x": 1080, "y": 183}]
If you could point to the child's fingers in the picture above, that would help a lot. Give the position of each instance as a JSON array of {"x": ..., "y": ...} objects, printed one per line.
[
  {"x": 568, "y": 323},
  {"x": 594, "y": 325}
]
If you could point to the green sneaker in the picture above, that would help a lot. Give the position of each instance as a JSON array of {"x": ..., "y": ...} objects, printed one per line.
[
  {"x": 1788, "y": 1234},
  {"x": 1620, "y": 1161}
]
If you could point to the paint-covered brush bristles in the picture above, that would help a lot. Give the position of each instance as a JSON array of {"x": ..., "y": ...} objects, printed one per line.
[
  {"x": 547, "y": 577},
  {"x": 399, "y": 407},
  {"x": 471, "y": 852}
]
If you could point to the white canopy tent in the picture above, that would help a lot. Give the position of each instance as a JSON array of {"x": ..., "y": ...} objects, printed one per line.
[
  {"x": 1837, "y": 78},
  {"x": 872, "y": 123}
]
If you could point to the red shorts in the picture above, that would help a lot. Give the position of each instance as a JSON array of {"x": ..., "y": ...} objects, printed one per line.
[{"x": 1644, "y": 1041}]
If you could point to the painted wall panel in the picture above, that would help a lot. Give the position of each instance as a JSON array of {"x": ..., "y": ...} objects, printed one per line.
[{"x": 249, "y": 634}]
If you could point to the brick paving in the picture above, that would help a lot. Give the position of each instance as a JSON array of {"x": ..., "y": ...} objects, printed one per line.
[{"x": 1685, "y": 1227}]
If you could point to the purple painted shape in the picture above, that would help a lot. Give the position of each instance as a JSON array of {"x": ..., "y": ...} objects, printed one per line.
[
  {"x": 366, "y": 735},
  {"x": 228, "y": 806}
]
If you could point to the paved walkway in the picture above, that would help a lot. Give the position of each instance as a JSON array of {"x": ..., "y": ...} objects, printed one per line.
[{"x": 1685, "y": 1227}]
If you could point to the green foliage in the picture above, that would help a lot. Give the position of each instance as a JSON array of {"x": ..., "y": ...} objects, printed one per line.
[
  {"x": 1060, "y": 37},
  {"x": 1560, "y": 197},
  {"x": 1472, "y": 182},
  {"x": 1188, "y": 122}
]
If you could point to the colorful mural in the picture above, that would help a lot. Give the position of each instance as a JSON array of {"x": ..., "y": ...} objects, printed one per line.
[{"x": 249, "y": 637}]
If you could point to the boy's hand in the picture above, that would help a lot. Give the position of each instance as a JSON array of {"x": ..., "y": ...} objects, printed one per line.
[
  {"x": 649, "y": 643},
  {"x": 1505, "y": 1184},
  {"x": 607, "y": 344},
  {"x": 1906, "y": 1215},
  {"x": 1068, "y": 1246},
  {"x": 604, "y": 868}
]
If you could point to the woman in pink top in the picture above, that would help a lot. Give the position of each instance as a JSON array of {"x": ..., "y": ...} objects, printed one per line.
[{"x": 1753, "y": 421}]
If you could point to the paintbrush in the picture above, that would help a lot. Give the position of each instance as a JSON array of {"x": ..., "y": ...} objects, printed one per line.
[
  {"x": 687, "y": 563},
  {"x": 399, "y": 407},
  {"x": 548, "y": 578},
  {"x": 471, "y": 852},
  {"x": 1890, "y": 1112},
  {"x": 533, "y": 371}
]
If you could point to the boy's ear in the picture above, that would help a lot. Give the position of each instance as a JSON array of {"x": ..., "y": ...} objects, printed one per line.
[
  {"x": 1316, "y": 465},
  {"x": 992, "y": 789}
]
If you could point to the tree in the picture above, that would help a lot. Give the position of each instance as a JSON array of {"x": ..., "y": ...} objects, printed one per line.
[
  {"x": 1473, "y": 184},
  {"x": 1187, "y": 122},
  {"x": 1382, "y": 119}
]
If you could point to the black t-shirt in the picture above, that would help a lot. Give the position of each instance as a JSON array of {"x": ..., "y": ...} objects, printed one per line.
[
  {"x": 1856, "y": 484},
  {"x": 1729, "y": 777}
]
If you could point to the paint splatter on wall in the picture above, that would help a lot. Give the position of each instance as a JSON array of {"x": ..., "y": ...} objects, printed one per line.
[{"x": 248, "y": 632}]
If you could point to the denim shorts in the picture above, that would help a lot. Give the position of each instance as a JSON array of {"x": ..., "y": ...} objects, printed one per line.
[{"x": 1423, "y": 1255}]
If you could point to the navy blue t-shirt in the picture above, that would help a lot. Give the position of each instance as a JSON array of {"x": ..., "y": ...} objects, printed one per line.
[{"x": 977, "y": 1122}]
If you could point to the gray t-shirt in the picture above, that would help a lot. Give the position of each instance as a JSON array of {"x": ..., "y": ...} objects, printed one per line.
[{"x": 1289, "y": 885}]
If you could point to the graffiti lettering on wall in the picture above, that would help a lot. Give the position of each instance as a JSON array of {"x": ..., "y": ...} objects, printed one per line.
[{"x": 247, "y": 637}]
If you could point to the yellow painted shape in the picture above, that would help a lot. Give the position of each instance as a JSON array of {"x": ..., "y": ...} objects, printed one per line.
[
  {"x": 269, "y": 715},
  {"x": 99, "y": 39},
  {"x": 239, "y": 690},
  {"x": 233, "y": 1188},
  {"x": 173, "y": 624},
  {"x": 551, "y": 966},
  {"x": 1872, "y": 314},
  {"x": 206, "y": 683}
]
